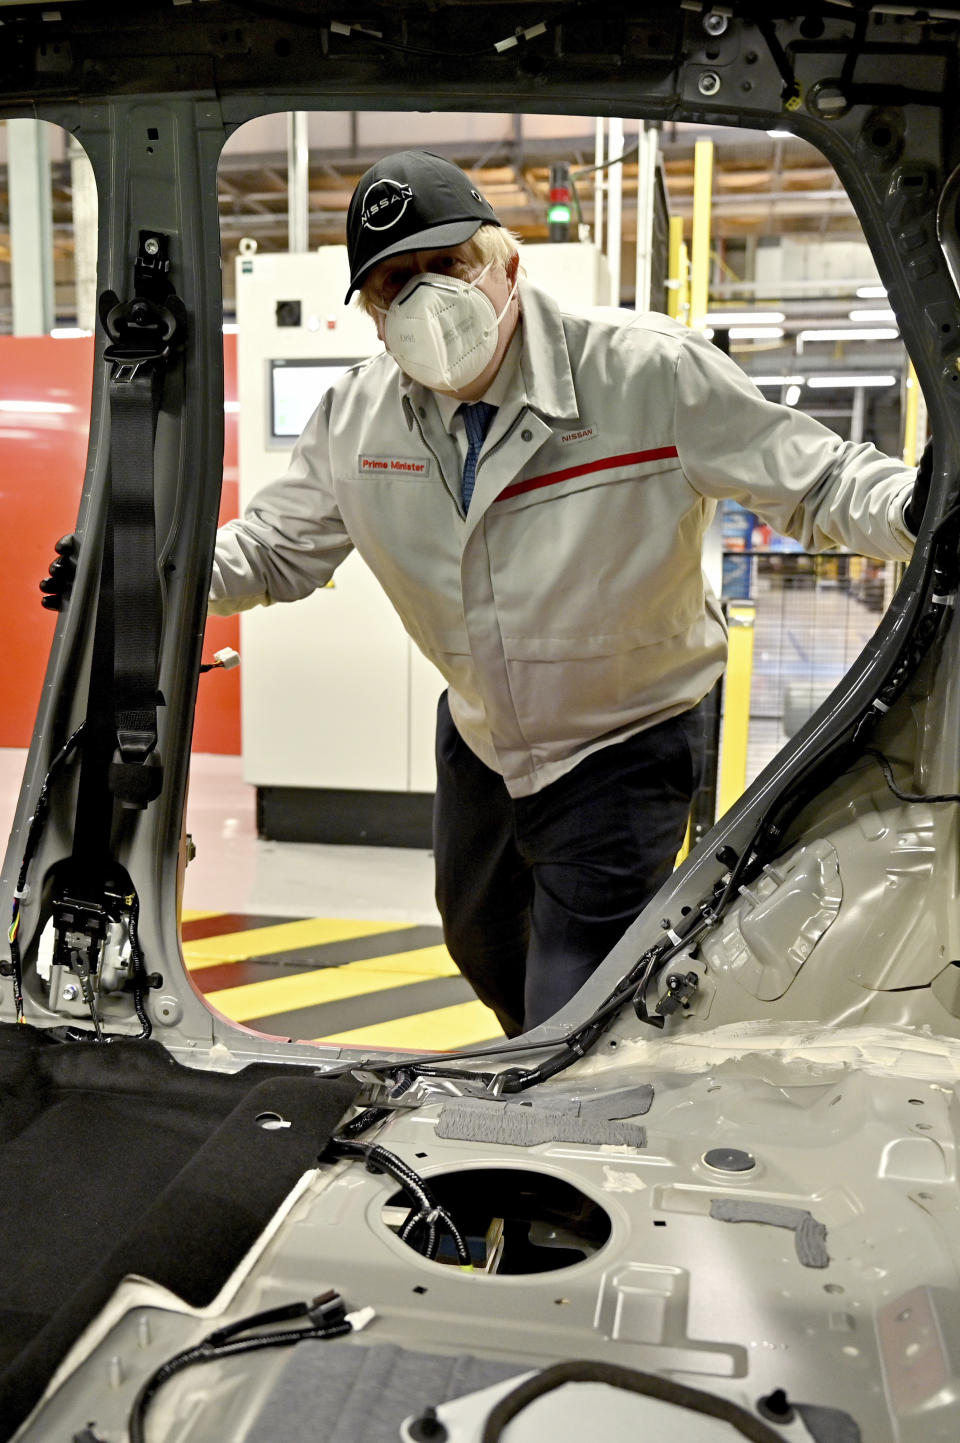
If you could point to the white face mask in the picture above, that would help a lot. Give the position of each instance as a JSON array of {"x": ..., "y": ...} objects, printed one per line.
[{"x": 443, "y": 331}]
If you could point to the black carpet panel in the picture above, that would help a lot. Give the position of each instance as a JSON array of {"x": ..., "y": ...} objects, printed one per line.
[{"x": 115, "y": 1159}]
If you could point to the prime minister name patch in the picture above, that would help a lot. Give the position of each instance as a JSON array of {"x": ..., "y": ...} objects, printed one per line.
[{"x": 395, "y": 465}]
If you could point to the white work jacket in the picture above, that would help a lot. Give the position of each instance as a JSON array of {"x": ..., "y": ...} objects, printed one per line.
[{"x": 568, "y": 608}]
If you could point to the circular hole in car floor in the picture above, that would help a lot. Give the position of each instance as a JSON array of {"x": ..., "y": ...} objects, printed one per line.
[{"x": 514, "y": 1222}]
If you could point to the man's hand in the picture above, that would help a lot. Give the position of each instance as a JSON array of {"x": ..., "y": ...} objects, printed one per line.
[{"x": 915, "y": 507}]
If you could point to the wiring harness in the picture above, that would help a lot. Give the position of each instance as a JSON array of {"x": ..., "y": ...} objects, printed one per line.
[
  {"x": 427, "y": 1219},
  {"x": 129, "y": 902},
  {"x": 650, "y": 1385},
  {"x": 35, "y": 826},
  {"x": 321, "y": 1318}
]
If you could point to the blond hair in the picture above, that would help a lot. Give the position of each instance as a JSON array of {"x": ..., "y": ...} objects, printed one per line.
[{"x": 489, "y": 245}]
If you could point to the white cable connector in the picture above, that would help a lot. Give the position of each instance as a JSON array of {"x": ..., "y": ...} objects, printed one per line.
[
  {"x": 529, "y": 34},
  {"x": 337, "y": 27},
  {"x": 227, "y": 658},
  {"x": 359, "y": 1320}
]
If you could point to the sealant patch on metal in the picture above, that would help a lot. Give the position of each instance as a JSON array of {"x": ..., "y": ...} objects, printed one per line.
[
  {"x": 810, "y": 1235},
  {"x": 829, "y": 1425},
  {"x": 513, "y": 1126},
  {"x": 614, "y": 1180},
  {"x": 619, "y": 1103}
]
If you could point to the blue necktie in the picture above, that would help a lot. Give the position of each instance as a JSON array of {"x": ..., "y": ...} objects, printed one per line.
[{"x": 476, "y": 420}]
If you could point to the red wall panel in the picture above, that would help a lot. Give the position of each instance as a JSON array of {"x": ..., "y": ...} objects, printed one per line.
[{"x": 45, "y": 389}]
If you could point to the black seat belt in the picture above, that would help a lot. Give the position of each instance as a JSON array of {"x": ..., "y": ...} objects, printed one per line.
[
  {"x": 119, "y": 741},
  {"x": 142, "y": 334}
]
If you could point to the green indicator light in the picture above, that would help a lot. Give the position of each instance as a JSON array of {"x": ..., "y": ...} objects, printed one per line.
[{"x": 559, "y": 215}]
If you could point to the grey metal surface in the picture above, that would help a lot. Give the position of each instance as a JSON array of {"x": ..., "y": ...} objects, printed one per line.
[{"x": 868, "y": 1150}]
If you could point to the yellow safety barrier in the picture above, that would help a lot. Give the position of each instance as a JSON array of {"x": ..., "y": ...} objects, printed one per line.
[
  {"x": 684, "y": 851},
  {"x": 911, "y": 419},
  {"x": 678, "y": 286},
  {"x": 700, "y": 239},
  {"x": 736, "y": 705}
]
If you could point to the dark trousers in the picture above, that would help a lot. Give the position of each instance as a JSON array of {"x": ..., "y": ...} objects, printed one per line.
[{"x": 534, "y": 891}]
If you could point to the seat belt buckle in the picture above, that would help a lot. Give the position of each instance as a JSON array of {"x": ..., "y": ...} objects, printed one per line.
[
  {"x": 135, "y": 784},
  {"x": 127, "y": 362}
]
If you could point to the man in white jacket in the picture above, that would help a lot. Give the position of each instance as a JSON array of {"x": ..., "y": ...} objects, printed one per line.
[{"x": 532, "y": 490}]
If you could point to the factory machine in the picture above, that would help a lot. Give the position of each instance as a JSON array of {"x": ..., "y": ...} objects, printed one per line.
[{"x": 338, "y": 703}]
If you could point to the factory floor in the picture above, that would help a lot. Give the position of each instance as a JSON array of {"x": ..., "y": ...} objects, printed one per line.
[{"x": 340, "y": 944}]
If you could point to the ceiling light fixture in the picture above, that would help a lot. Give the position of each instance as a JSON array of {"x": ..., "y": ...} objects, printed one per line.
[
  {"x": 824, "y": 383},
  {"x": 868, "y": 317},
  {"x": 777, "y": 380},
  {"x": 792, "y": 396},
  {"x": 851, "y": 333},
  {"x": 872, "y": 293}
]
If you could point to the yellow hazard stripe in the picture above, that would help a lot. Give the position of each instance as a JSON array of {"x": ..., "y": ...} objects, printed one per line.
[
  {"x": 331, "y": 984},
  {"x": 283, "y": 937},
  {"x": 442, "y": 1030}
]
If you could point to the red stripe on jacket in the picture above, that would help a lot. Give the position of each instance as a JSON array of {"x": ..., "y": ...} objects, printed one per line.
[{"x": 607, "y": 463}]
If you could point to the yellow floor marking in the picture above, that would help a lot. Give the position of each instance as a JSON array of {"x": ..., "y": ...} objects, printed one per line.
[
  {"x": 327, "y": 984},
  {"x": 426, "y": 961},
  {"x": 190, "y": 914},
  {"x": 283, "y": 937},
  {"x": 462, "y": 1025}
]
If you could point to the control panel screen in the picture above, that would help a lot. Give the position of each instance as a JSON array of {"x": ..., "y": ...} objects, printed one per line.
[{"x": 295, "y": 391}]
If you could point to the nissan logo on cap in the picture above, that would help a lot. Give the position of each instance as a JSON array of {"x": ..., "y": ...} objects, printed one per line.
[
  {"x": 410, "y": 200},
  {"x": 384, "y": 204}
]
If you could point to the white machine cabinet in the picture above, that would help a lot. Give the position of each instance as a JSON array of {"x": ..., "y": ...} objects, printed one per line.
[{"x": 338, "y": 706}]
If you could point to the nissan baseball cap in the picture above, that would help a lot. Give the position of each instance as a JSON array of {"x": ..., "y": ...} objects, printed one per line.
[{"x": 410, "y": 201}]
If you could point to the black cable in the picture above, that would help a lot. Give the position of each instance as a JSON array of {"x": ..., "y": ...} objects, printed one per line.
[
  {"x": 606, "y": 164},
  {"x": 367, "y": 1118},
  {"x": 429, "y": 1211},
  {"x": 34, "y": 830},
  {"x": 665, "y": 1390},
  {"x": 139, "y": 972},
  {"x": 420, "y": 1233},
  {"x": 854, "y": 51},
  {"x": 328, "y": 1320},
  {"x": 575, "y": 175},
  {"x": 791, "y": 90},
  {"x": 887, "y": 770},
  {"x": 426, "y": 1065}
]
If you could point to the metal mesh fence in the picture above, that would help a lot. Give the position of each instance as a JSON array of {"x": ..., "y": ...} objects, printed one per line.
[{"x": 814, "y": 615}]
